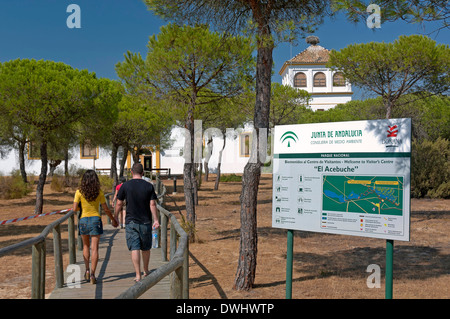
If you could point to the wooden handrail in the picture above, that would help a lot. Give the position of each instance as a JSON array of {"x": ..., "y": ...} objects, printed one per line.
[
  {"x": 178, "y": 265},
  {"x": 39, "y": 254}
]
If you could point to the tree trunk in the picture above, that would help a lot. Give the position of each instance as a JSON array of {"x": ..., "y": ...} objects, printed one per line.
[
  {"x": 113, "y": 172},
  {"x": 248, "y": 245},
  {"x": 205, "y": 178},
  {"x": 196, "y": 185},
  {"x": 388, "y": 104},
  {"x": 246, "y": 270},
  {"x": 42, "y": 178},
  {"x": 53, "y": 165},
  {"x": 208, "y": 149},
  {"x": 197, "y": 181},
  {"x": 189, "y": 191},
  {"x": 124, "y": 160},
  {"x": 23, "y": 173},
  {"x": 188, "y": 172},
  {"x": 135, "y": 154},
  {"x": 216, "y": 184},
  {"x": 66, "y": 167},
  {"x": 199, "y": 174}
]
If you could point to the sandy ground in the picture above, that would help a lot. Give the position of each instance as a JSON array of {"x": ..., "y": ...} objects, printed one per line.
[{"x": 325, "y": 266}]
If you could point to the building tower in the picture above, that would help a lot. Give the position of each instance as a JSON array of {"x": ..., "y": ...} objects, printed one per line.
[{"x": 307, "y": 71}]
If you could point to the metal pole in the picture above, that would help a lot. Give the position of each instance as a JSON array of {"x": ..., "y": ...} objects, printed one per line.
[
  {"x": 389, "y": 268},
  {"x": 289, "y": 262}
]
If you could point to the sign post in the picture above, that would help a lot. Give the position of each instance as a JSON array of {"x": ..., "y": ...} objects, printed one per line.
[
  {"x": 289, "y": 262},
  {"x": 350, "y": 178},
  {"x": 389, "y": 269}
]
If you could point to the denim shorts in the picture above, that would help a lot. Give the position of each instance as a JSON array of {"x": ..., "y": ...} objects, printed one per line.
[
  {"x": 139, "y": 236},
  {"x": 91, "y": 226}
]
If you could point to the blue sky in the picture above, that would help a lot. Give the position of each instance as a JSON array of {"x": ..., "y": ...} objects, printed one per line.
[{"x": 38, "y": 29}]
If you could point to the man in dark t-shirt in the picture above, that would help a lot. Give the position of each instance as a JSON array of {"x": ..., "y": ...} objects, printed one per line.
[{"x": 141, "y": 207}]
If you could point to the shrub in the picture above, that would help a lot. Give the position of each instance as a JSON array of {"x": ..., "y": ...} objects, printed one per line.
[
  {"x": 106, "y": 183},
  {"x": 190, "y": 229},
  {"x": 57, "y": 183},
  {"x": 230, "y": 178},
  {"x": 430, "y": 169},
  {"x": 13, "y": 186},
  {"x": 443, "y": 191}
]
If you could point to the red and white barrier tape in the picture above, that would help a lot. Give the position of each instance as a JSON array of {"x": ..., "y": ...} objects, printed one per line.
[{"x": 4, "y": 222}]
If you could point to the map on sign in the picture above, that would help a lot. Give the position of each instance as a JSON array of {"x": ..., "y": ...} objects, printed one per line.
[{"x": 363, "y": 194}]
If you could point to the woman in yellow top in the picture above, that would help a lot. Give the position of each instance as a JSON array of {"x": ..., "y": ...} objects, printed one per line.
[{"x": 90, "y": 225}]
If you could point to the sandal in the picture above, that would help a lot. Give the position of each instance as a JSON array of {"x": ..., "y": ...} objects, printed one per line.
[
  {"x": 93, "y": 280},
  {"x": 146, "y": 273},
  {"x": 86, "y": 275}
]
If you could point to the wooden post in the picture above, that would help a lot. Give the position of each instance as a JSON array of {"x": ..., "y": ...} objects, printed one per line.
[
  {"x": 79, "y": 240},
  {"x": 43, "y": 263},
  {"x": 38, "y": 271},
  {"x": 35, "y": 272},
  {"x": 175, "y": 277},
  {"x": 164, "y": 237},
  {"x": 176, "y": 284},
  {"x": 173, "y": 240},
  {"x": 158, "y": 184},
  {"x": 57, "y": 253},
  {"x": 72, "y": 248},
  {"x": 185, "y": 281}
]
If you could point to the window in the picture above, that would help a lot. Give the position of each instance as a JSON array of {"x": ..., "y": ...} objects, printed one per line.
[
  {"x": 244, "y": 144},
  {"x": 147, "y": 163},
  {"x": 338, "y": 79},
  {"x": 34, "y": 152},
  {"x": 88, "y": 151},
  {"x": 300, "y": 80},
  {"x": 320, "y": 79}
]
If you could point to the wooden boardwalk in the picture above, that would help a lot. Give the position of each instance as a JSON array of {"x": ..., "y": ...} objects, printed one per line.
[{"x": 115, "y": 272}]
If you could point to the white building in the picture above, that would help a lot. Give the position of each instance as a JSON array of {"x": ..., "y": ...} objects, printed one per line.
[
  {"x": 307, "y": 71},
  {"x": 235, "y": 155},
  {"x": 80, "y": 156}
]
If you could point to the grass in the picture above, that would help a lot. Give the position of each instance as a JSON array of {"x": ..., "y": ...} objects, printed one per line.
[{"x": 230, "y": 178}]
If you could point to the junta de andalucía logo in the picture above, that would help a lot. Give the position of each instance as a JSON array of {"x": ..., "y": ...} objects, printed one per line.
[{"x": 290, "y": 137}]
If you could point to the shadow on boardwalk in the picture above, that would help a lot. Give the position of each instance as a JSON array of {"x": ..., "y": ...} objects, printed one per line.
[{"x": 115, "y": 272}]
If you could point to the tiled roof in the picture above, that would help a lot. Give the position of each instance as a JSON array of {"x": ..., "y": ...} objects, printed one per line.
[{"x": 312, "y": 54}]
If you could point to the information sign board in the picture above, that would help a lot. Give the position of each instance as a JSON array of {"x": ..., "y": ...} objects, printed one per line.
[{"x": 350, "y": 178}]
